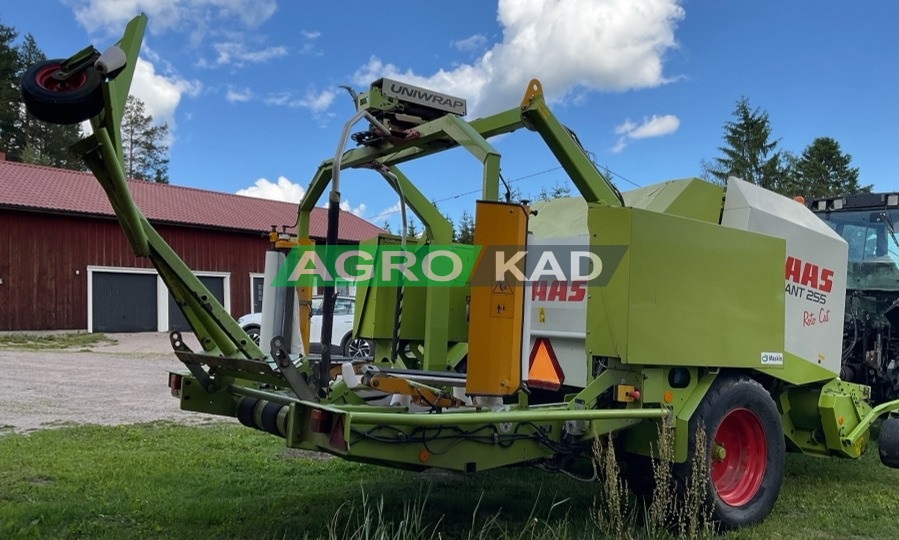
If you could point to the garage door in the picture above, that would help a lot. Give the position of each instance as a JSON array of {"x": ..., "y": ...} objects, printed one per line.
[
  {"x": 216, "y": 286},
  {"x": 123, "y": 302}
]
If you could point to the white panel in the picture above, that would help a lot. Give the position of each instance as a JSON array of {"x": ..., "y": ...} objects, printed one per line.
[
  {"x": 815, "y": 254},
  {"x": 563, "y": 321}
]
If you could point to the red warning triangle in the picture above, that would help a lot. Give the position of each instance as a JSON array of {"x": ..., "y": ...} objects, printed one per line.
[{"x": 544, "y": 370}]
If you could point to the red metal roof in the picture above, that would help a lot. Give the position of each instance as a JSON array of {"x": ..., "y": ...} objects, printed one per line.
[{"x": 47, "y": 188}]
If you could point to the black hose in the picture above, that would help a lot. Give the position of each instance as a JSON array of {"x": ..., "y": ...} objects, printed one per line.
[
  {"x": 397, "y": 321},
  {"x": 324, "y": 365}
]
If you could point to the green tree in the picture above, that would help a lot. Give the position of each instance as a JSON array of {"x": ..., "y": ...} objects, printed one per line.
[
  {"x": 465, "y": 233},
  {"x": 411, "y": 228},
  {"x": 749, "y": 152},
  {"x": 42, "y": 143},
  {"x": 823, "y": 170},
  {"x": 143, "y": 144},
  {"x": 557, "y": 191},
  {"x": 446, "y": 217},
  {"x": 386, "y": 226},
  {"x": 451, "y": 223},
  {"x": 9, "y": 91}
]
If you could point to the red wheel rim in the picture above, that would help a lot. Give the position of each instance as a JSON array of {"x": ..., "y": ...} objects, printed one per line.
[
  {"x": 45, "y": 80},
  {"x": 739, "y": 457}
]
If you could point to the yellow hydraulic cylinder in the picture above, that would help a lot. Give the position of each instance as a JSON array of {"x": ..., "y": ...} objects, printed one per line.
[
  {"x": 497, "y": 309},
  {"x": 304, "y": 294}
]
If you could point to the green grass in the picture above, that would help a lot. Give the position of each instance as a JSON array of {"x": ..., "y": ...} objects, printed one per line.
[
  {"x": 166, "y": 480},
  {"x": 40, "y": 342}
]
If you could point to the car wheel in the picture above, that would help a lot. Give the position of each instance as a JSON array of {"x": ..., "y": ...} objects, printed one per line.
[
  {"x": 253, "y": 332},
  {"x": 357, "y": 347}
]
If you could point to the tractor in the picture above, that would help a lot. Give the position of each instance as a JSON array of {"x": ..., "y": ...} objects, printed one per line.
[{"x": 871, "y": 323}]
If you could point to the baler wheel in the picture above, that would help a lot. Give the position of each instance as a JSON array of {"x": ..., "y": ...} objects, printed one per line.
[
  {"x": 62, "y": 102},
  {"x": 888, "y": 443},
  {"x": 745, "y": 445}
]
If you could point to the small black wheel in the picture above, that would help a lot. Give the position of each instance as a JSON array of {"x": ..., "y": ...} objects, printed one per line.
[
  {"x": 746, "y": 447},
  {"x": 357, "y": 347},
  {"x": 62, "y": 102},
  {"x": 253, "y": 332},
  {"x": 888, "y": 443}
]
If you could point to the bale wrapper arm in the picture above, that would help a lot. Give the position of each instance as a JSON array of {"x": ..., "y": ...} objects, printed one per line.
[{"x": 218, "y": 334}]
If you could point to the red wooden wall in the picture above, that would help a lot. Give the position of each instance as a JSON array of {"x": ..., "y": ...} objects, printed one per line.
[{"x": 44, "y": 260}]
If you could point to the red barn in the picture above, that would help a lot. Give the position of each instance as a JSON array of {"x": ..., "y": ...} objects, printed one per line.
[{"x": 65, "y": 263}]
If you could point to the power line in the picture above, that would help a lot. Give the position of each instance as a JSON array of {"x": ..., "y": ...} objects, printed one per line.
[
  {"x": 514, "y": 180},
  {"x": 472, "y": 192},
  {"x": 631, "y": 182},
  {"x": 519, "y": 179}
]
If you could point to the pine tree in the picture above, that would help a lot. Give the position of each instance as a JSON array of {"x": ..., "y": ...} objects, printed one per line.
[
  {"x": 9, "y": 91},
  {"x": 557, "y": 191},
  {"x": 42, "y": 143},
  {"x": 143, "y": 144},
  {"x": 749, "y": 152},
  {"x": 465, "y": 235},
  {"x": 452, "y": 224},
  {"x": 411, "y": 228},
  {"x": 823, "y": 170}
]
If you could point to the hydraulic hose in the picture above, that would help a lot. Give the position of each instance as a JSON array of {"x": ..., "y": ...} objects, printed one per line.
[{"x": 331, "y": 238}]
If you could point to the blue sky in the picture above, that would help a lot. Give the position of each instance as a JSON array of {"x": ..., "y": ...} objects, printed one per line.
[{"x": 250, "y": 86}]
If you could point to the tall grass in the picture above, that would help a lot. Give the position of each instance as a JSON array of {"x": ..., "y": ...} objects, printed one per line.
[{"x": 678, "y": 507}]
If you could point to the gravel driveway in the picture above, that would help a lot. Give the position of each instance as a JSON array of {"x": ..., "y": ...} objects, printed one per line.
[{"x": 112, "y": 384}]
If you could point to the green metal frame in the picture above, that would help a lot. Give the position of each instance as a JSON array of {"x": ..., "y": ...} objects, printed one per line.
[
  {"x": 831, "y": 414},
  {"x": 216, "y": 331}
]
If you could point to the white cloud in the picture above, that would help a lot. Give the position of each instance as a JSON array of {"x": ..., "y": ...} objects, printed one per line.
[
  {"x": 282, "y": 98},
  {"x": 656, "y": 126},
  {"x": 358, "y": 211},
  {"x": 238, "y": 96},
  {"x": 625, "y": 127},
  {"x": 236, "y": 54},
  {"x": 161, "y": 94},
  {"x": 310, "y": 48},
  {"x": 570, "y": 46},
  {"x": 283, "y": 190},
  {"x": 111, "y": 15},
  {"x": 315, "y": 101},
  {"x": 471, "y": 43}
]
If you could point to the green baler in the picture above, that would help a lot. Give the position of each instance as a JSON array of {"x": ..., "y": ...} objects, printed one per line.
[{"x": 692, "y": 329}]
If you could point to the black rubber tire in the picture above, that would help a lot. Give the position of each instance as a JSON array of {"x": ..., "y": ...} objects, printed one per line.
[
  {"x": 253, "y": 331},
  {"x": 638, "y": 473},
  {"x": 730, "y": 393},
  {"x": 346, "y": 344},
  {"x": 58, "y": 105},
  {"x": 888, "y": 443}
]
